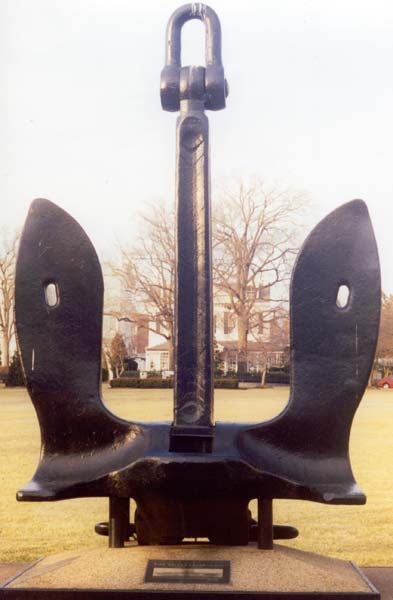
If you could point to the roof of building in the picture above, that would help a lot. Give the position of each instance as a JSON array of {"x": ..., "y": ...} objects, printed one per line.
[
  {"x": 251, "y": 346},
  {"x": 227, "y": 345},
  {"x": 160, "y": 347}
]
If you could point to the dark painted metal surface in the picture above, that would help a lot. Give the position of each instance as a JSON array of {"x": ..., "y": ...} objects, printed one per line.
[
  {"x": 332, "y": 350},
  {"x": 119, "y": 520},
  {"x": 265, "y": 524},
  {"x": 192, "y": 90},
  {"x": 193, "y": 335},
  {"x": 302, "y": 453},
  {"x": 174, "y": 77},
  {"x": 194, "y": 478}
]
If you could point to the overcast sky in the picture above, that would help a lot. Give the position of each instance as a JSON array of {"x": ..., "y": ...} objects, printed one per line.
[{"x": 310, "y": 106}]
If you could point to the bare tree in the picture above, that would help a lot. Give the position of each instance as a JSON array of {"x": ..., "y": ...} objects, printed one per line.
[
  {"x": 254, "y": 249},
  {"x": 384, "y": 352},
  {"x": 147, "y": 272},
  {"x": 7, "y": 271},
  {"x": 278, "y": 322}
]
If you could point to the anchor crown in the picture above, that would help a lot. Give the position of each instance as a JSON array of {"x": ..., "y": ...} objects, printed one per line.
[{"x": 302, "y": 453}]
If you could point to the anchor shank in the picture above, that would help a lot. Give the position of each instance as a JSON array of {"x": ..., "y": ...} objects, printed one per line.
[
  {"x": 193, "y": 90},
  {"x": 193, "y": 335}
]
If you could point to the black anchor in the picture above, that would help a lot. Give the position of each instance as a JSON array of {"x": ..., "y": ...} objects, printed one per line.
[{"x": 194, "y": 477}]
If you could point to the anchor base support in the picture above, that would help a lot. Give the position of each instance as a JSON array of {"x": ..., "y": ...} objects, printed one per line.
[
  {"x": 169, "y": 573},
  {"x": 119, "y": 519}
]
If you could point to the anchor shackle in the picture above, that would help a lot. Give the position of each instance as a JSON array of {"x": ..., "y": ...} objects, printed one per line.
[{"x": 193, "y": 83}]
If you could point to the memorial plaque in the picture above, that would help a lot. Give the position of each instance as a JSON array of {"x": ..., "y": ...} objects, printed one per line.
[{"x": 188, "y": 571}]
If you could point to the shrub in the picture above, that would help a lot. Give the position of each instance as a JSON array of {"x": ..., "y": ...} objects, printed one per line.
[
  {"x": 153, "y": 374},
  {"x": 225, "y": 382},
  {"x": 15, "y": 373},
  {"x": 130, "y": 364},
  {"x": 130, "y": 374},
  {"x": 158, "y": 382},
  {"x": 134, "y": 382},
  {"x": 250, "y": 377},
  {"x": 3, "y": 374},
  {"x": 122, "y": 382},
  {"x": 277, "y": 377}
]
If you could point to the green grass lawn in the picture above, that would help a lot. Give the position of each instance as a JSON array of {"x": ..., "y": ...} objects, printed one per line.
[{"x": 360, "y": 533}]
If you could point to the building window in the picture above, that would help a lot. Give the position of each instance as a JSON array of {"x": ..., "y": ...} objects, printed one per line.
[
  {"x": 232, "y": 360},
  {"x": 275, "y": 359},
  {"x": 164, "y": 361},
  {"x": 261, "y": 324},
  {"x": 264, "y": 292},
  {"x": 251, "y": 292},
  {"x": 254, "y": 361},
  {"x": 229, "y": 322}
]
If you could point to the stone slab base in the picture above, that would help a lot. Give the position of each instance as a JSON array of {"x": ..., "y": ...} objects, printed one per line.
[{"x": 279, "y": 574}]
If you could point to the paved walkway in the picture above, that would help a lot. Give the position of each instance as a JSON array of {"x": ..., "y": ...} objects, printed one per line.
[
  {"x": 9, "y": 570},
  {"x": 381, "y": 577}
]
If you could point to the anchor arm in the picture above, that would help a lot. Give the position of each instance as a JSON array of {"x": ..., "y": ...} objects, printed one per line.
[
  {"x": 58, "y": 306},
  {"x": 332, "y": 350}
]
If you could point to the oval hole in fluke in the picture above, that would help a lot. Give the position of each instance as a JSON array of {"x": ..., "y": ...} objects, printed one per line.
[
  {"x": 343, "y": 296},
  {"x": 51, "y": 294}
]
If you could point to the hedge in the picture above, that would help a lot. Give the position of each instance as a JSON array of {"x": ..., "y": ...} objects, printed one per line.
[
  {"x": 277, "y": 377},
  {"x": 130, "y": 374},
  {"x": 254, "y": 377},
  {"x": 3, "y": 374},
  {"x": 230, "y": 384},
  {"x": 158, "y": 382},
  {"x": 15, "y": 375},
  {"x": 150, "y": 382}
]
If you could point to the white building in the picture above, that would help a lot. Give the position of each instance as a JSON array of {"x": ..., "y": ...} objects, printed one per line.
[
  {"x": 266, "y": 339},
  {"x": 158, "y": 357},
  {"x": 121, "y": 317},
  {"x": 116, "y": 307}
]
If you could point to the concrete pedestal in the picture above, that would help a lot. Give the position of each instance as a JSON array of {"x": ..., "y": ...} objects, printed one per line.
[{"x": 180, "y": 571}]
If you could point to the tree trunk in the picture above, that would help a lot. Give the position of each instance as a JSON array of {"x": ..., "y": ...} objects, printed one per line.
[
  {"x": 171, "y": 356},
  {"x": 111, "y": 374},
  {"x": 5, "y": 350},
  {"x": 242, "y": 332}
]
